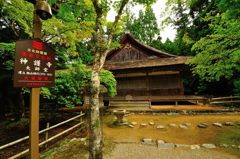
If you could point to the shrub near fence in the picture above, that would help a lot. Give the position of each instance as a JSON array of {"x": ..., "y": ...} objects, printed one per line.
[{"x": 47, "y": 140}]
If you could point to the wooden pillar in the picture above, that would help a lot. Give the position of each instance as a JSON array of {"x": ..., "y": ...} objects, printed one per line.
[
  {"x": 34, "y": 123},
  {"x": 34, "y": 99}
]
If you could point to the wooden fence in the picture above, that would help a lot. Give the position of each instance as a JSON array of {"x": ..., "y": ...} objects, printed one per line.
[
  {"x": 225, "y": 100},
  {"x": 25, "y": 152}
]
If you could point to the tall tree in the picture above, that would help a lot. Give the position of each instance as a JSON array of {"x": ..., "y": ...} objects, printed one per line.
[
  {"x": 218, "y": 54},
  {"x": 145, "y": 27},
  {"x": 102, "y": 44}
]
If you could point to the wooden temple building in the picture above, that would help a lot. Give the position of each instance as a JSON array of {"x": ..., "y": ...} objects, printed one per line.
[{"x": 144, "y": 73}]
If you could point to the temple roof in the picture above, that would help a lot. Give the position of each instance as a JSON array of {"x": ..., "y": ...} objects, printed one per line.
[{"x": 135, "y": 54}]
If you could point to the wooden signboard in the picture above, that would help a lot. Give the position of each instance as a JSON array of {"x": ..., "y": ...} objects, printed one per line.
[{"x": 34, "y": 64}]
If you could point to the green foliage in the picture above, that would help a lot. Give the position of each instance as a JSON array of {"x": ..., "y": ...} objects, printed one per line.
[
  {"x": 70, "y": 84},
  {"x": 218, "y": 55},
  {"x": 65, "y": 92},
  {"x": 145, "y": 27},
  {"x": 236, "y": 84},
  {"x": 108, "y": 80}
]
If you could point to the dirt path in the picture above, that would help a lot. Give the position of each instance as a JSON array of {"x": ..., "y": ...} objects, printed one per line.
[{"x": 138, "y": 151}]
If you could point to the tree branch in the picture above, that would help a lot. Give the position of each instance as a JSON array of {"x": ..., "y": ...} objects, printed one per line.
[{"x": 119, "y": 13}]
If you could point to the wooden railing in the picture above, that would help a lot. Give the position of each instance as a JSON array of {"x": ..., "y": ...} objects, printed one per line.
[
  {"x": 225, "y": 100},
  {"x": 25, "y": 152}
]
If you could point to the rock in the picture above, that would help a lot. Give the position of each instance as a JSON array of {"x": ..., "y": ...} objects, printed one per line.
[
  {"x": 217, "y": 124},
  {"x": 223, "y": 145},
  {"x": 238, "y": 146},
  {"x": 183, "y": 126},
  {"x": 160, "y": 142},
  {"x": 133, "y": 123},
  {"x": 209, "y": 146},
  {"x": 160, "y": 127},
  {"x": 131, "y": 126},
  {"x": 234, "y": 146},
  {"x": 151, "y": 123},
  {"x": 147, "y": 141},
  {"x": 229, "y": 123},
  {"x": 166, "y": 145},
  {"x": 143, "y": 124},
  {"x": 172, "y": 125},
  {"x": 182, "y": 146},
  {"x": 202, "y": 125},
  {"x": 195, "y": 147}
]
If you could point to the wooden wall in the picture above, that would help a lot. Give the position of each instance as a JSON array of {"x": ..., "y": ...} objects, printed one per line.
[{"x": 159, "y": 85}]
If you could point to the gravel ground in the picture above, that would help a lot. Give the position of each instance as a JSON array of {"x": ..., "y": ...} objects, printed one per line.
[{"x": 138, "y": 151}]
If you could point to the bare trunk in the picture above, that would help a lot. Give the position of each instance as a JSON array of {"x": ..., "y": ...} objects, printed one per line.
[{"x": 95, "y": 129}]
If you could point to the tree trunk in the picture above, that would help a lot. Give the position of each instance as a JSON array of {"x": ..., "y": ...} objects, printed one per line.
[{"x": 95, "y": 129}]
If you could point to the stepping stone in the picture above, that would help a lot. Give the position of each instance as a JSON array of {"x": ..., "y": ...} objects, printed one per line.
[
  {"x": 183, "y": 126},
  {"x": 147, "y": 141},
  {"x": 217, "y": 124},
  {"x": 224, "y": 145},
  {"x": 131, "y": 126},
  {"x": 172, "y": 125},
  {"x": 195, "y": 147},
  {"x": 160, "y": 142},
  {"x": 143, "y": 124},
  {"x": 160, "y": 127},
  {"x": 209, "y": 146},
  {"x": 166, "y": 145},
  {"x": 151, "y": 123},
  {"x": 202, "y": 125},
  {"x": 182, "y": 146}
]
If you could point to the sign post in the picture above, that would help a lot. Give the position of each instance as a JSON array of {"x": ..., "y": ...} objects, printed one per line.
[{"x": 34, "y": 67}]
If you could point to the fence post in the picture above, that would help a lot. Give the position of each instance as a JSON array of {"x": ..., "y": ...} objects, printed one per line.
[{"x": 46, "y": 134}]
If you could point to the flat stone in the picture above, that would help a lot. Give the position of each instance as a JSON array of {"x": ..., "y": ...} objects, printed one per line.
[
  {"x": 147, "y": 141},
  {"x": 224, "y": 145},
  {"x": 183, "y": 126},
  {"x": 133, "y": 123},
  {"x": 217, "y": 124},
  {"x": 131, "y": 126},
  {"x": 195, "y": 147},
  {"x": 229, "y": 123},
  {"x": 202, "y": 125},
  {"x": 160, "y": 127},
  {"x": 166, "y": 145},
  {"x": 172, "y": 125},
  {"x": 209, "y": 146},
  {"x": 151, "y": 123},
  {"x": 160, "y": 142},
  {"x": 143, "y": 124},
  {"x": 182, "y": 146}
]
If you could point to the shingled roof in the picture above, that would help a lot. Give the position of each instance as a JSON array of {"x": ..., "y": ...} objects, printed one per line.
[{"x": 146, "y": 56}]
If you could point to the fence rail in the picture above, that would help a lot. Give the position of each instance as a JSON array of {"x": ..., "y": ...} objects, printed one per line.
[
  {"x": 225, "y": 100},
  {"x": 44, "y": 131}
]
